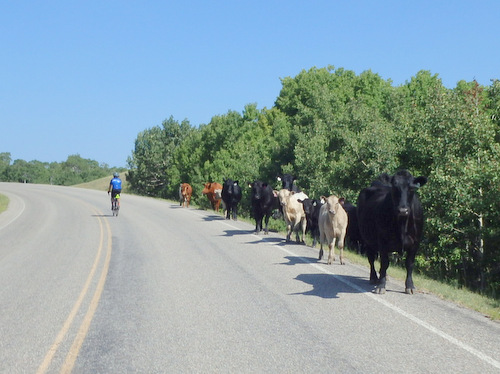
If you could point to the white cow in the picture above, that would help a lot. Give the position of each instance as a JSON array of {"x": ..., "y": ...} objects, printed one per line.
[
  {"x": 293, "y": 213},
  {"x": 332, "y": 227}
]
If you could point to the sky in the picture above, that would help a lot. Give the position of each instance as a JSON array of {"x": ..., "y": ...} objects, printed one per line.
[{"x": 86, "y": 77}]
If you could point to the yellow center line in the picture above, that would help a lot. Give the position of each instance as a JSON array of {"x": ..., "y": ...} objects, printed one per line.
[
  {"x": 67, "y": 324},
  {"x": 84, "y": 327}
]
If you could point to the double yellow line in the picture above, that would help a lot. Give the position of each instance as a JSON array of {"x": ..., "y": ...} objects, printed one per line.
[{"x": 72, "y": 354}]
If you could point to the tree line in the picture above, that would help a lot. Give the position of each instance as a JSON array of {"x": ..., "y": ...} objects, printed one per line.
[
  {"x": 73, "y": 171},
  {"x": 336, "y": 132}
]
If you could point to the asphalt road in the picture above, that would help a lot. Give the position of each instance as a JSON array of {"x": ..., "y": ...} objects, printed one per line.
[{"x": 165, "y": 289}]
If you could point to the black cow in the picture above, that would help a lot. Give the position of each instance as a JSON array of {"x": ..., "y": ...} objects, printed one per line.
[
  {"x": 353, "y": 236},
  {"x": 391, "y": 220},
  {"x": 231, "y": 195},
  {"x": 311, "y": 209},
  {"x": 287, "y": 182},
  {"x": 263, "y": 202}
]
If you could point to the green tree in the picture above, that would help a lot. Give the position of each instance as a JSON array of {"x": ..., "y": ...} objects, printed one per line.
[
  {"x": 152, "y": 160},
  {"x": 5, "y": 160}
]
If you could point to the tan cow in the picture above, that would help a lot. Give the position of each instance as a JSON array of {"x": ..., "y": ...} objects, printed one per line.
[
  {"x": 332, "y": 227},
  {"x": 185, "y": 192},
  {"x": 293, "y": 213}
]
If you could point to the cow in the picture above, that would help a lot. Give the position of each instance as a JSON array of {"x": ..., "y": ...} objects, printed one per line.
[
  {"x": 231, "y": 195},
  {"x": 213, "y": 192},
  {"x": 311, "y": 209},
  {"x": 353, "y": 237},
  {"x": 287, "y": 182},
  {"x": 332, "y": 223},
  {"x": 293, "y": 213},
  {"x": 185, "y": 192},
  {"x": 390, "y": 220},
  {"x": 263, "y": 201}
]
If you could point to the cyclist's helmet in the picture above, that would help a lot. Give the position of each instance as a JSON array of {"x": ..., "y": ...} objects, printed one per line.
[{"x": 116, "y": 175}]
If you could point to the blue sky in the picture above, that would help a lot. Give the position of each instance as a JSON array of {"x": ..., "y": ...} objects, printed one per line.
[{"x": 85, "y": 77}]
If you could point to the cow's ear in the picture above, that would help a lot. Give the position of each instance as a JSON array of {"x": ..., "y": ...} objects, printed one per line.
[
  {"x": 342, "y": 200},
  {"x": 278, "y": 178},
  {"x": 420, "y": 181},
  {"x": 235, "y": 182}
]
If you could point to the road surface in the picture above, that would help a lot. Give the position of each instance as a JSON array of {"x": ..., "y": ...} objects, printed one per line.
[{"x": 165, "y": 289}]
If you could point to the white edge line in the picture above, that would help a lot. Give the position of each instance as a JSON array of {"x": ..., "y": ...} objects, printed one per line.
[
  {"x": 17, "y": 216},
  {"x": 384, "y": 302}
]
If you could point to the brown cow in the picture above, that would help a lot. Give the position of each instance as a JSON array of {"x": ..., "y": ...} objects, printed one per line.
[
  {"x": 214, "y": 194},
  {"x": 185, "y": 192},
  {"x": 332, "y": 227}
]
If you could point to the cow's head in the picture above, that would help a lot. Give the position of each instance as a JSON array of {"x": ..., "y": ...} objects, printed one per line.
[
  {"x": 282, "y": 195},
  {"x": 257, "y": 189},
  {"x": 286, "y": 181},
  {"x": 403, "y": 187},
  {"x": 333, "y": 203},
  {"x": 308, "y": 205},
  {"x": 206, "y": 188}
]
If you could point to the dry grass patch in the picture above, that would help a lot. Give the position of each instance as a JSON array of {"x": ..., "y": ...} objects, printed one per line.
[{"x": 4, "y": 203}]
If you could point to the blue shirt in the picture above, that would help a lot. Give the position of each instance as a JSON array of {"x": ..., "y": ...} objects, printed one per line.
[{"x": 116, "y": 183}]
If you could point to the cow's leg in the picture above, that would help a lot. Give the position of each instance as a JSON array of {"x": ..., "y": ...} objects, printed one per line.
[
  {"x": 372, "y": 256},
  {"x": 267, "y": 224},
  {"x": 331, "y": 254},
  {"x": 384, "y": 264},
  {"x": 235, "y": 212},
  {"x": 258, "y": 224},
  {"x": 410, "y": 263},
  {"x": 321, "y": 240},
  {"x": 340, "y": 244},
  {"x": 304, "y": 227}
]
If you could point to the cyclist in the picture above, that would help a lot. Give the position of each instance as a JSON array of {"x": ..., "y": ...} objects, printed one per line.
[{"x": 115, "y": 187}]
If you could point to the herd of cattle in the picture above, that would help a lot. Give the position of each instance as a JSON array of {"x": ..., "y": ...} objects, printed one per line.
[{"x": 388, "y": 217}]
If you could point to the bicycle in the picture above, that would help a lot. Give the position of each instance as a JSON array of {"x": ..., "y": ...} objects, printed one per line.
[{"x": 115, "y": 204}]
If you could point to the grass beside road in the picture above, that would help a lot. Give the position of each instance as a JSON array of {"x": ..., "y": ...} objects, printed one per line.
[
  {"x": 4, "y": 203},
  {"x": 102, "y": 184}
]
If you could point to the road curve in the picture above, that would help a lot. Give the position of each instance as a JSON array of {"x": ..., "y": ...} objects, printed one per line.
[{"x": 165, "y": 289}]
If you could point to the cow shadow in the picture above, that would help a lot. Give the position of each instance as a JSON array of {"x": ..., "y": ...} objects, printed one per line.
[
  {"x": 237, "y": 232},
  {"x": 268, "y": 239},
  {"x": 329, "y": 286},
  {"x": 213, "y": 217},
  {"x": 295, "y": 260}
]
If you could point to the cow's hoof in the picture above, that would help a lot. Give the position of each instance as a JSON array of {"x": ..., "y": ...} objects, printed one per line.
[
  {"x": 410, "y": 291},
  {"x": 379, "y": 290}
]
